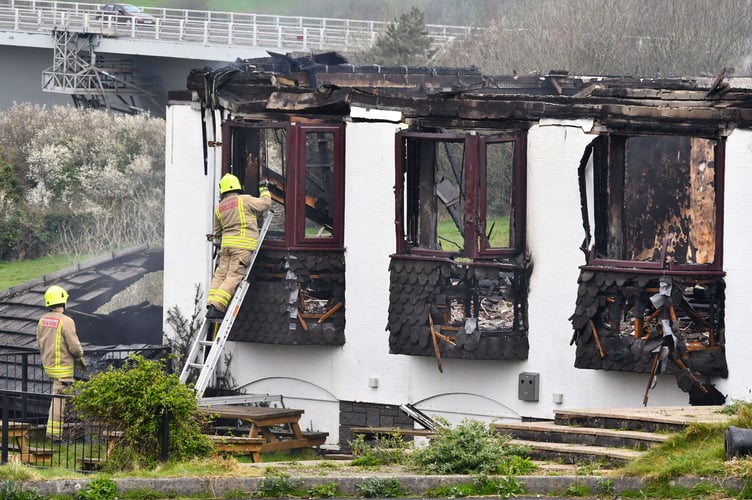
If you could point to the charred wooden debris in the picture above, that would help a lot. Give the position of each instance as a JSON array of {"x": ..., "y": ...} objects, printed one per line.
[{"x": 474, "y": 306}]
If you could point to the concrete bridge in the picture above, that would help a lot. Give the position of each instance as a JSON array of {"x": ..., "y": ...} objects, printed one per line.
[{"x": 102, "y": 61}]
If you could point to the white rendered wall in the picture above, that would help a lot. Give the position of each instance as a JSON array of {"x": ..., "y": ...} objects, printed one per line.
[
  {"x": 315, "y": 378},
  {"x": 188, "y": 211},
  {"x": 737, "y": 262}
]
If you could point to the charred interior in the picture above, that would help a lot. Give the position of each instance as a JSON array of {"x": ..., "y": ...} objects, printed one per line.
[
  {"x": 651, "y": 191},
  {"x": 458, "y": 282},
  {"x": 295, "y": 298},
  {"x": 297, "y": 287},
  {"x": 444, "y": 309},
  {"x": 651, "y": 297}
]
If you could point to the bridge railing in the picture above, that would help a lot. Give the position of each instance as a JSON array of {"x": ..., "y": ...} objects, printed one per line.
[{"x": 288, "y": 33}]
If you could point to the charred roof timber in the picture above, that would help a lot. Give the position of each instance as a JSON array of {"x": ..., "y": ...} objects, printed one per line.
[{"x": 327, "y": 84}]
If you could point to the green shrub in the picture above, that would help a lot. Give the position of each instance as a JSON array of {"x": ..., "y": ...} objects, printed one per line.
[
  {"x": 374, "y": 487},
  {"x": 325, "y": 490},
  {"x": 101, "y": 488},
  {"x": 10, "y": 491},
  {"x": 277, "y": 484},
  {"x": 385, "y": 450},
  {"x": 503, "y": 487},
  {"x": 133, "y": 399},
  {"x": 472, "y": 447}
]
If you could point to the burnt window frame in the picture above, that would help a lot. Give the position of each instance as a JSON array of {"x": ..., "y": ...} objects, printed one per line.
[
  {"x": 600, "y": 154},
  {"x": 295, "y": 180},
  {"x": 474, "y": 170}
]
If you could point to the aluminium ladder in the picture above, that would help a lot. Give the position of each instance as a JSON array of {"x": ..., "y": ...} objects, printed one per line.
[{"x": 199, "y": 344}]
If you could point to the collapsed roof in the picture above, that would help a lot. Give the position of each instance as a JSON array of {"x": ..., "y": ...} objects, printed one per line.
[{"x": 326, "y": 85}]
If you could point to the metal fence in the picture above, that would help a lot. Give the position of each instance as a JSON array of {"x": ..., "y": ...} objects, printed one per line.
[
  {"x": 26, "y": 402},
  {"x": 291, "y": 33}
]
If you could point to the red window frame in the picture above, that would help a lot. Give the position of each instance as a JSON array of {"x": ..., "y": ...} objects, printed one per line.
[
  {"x": 295, "y": 181},
  {"x": 474, "y": 167}
]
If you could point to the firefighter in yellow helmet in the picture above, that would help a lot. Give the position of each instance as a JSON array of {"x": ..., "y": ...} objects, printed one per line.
[
  {"x": 236, "y": 229},
  {"x": 60, "y": 351}
]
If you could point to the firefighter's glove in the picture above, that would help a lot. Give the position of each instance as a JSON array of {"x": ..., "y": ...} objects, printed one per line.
[
  {"x": 264, "y": 186},
  {"x": 210, "y": 237},
  {"x": 80, "y": 365}
]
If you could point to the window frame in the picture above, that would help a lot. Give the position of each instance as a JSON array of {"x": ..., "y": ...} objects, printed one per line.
[
  {"x": 600, "y": 262},
  {"x": 295, "y": 188},
  {"x": 474, "y": 170}
]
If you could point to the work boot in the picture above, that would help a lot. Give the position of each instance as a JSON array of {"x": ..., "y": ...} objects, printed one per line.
[{"x": 214, "y": 314}]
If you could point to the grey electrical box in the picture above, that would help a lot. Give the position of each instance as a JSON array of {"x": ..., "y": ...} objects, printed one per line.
[{"x": 528, "y": 389}]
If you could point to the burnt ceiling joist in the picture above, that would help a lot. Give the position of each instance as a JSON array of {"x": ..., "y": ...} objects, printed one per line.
[{"x": 325, "y": 84}]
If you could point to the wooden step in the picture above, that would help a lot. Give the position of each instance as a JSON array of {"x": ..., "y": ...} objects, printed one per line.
[
  {"x": 649, "y": 419},
  {"x": 577, "y": 454},
  {"x": 550, "y": 432}
]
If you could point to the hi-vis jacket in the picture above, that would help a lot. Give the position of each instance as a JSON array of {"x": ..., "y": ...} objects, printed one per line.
[
  {"x": 235, "y": 219},
  {"x": 58, "y": 344}
]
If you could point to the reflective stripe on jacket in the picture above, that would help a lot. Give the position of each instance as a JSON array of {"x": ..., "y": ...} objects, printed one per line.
[
  {"x": 58, "y": 344},
  {"x": 235, "y": 219}
]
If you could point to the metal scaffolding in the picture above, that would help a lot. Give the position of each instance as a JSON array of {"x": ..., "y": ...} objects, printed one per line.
[{"x": 94, "y": 81}]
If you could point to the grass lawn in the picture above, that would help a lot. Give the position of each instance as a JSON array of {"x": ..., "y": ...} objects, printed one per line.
[{"x": 15, "y": 272}]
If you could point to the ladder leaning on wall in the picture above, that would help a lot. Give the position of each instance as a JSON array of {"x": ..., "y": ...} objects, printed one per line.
[{"x": 198, "y": 358}]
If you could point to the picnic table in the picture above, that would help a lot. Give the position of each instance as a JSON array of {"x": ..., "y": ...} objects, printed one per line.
[
  {"x": 265, "y": 423},
  {"x": 18, "y": 437}
]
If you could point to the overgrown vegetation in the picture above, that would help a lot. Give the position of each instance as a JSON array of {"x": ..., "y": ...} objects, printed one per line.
[
  {"x": 471, "y": 447},
  {"x": 660, "y": 38},
  {"x": 11, "y": 491},
  {"x": 133, "y": 400},
  {"x": 697, "y": 451},
  {"x": 376, "y": 487},
  {"x": 278, "y": 484},
  {"x": 386, "y": 450},
  {"x": 101, "y": 488},
  {"x": 78, "y": 182}
]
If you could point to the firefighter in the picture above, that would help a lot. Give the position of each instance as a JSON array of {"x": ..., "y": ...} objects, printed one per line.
[
  {"x": 60, "y": 350},
  {"x": 236, "y": 230}
]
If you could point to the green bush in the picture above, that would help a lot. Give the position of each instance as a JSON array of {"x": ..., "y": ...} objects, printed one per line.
[
  {"x": 375, "y": 487},
  {"x": 133, "y": 399},
  {"x": 10, "y": 491},
  {"x": 385, "y": 450},
  {"x": 101, "y": 488},
  {"x": 277, "y": 484},
  {"x": 471, "y": 447}
]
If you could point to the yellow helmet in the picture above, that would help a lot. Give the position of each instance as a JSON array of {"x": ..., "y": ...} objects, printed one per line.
[
  {"x": 229, "y": 182},
  {"x": 55, "y": 296}
]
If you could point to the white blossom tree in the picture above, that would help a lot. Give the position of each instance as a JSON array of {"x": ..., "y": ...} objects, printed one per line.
[{"x": 82, "y": 181}]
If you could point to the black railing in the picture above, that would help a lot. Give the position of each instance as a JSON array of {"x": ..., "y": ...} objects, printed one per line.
[
  {"x": 22, "y": 370},
  {"x": 26, "y": 403}
]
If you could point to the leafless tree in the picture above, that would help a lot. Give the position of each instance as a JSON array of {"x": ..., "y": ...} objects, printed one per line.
[{"x": 612, "y": 37}]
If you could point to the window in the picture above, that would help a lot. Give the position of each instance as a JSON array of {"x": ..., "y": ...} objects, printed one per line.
[
  {"x": 461, "y": 194},
  {"x": 654, "y": 275},
  {"x": 305, "y": 166},
  {"x": 655, "y": 201},
  {"x": 459, "y": 279}
]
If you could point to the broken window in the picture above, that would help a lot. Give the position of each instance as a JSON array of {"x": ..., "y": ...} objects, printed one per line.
[
  {"x": 298, "y": 282},
  {"x": 305, "y": 167},
  {"x": 461, "y": 194},
  {"x": 651, "y": 297},
  {"x": 459, "y": 279},
  {"x": 655, "y": 201}
]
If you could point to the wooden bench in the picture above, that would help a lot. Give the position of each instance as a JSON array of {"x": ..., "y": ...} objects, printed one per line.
[
  {"x": 238, "y": 445},
  {"x": 112, "y": 438},
  {"x": 37, "y": 454},
  {"x": 91, "y": 463}
]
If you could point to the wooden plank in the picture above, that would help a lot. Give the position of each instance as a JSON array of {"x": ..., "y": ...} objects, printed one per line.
[
  {"x": 378, "y": 431},
  {"x": 238, "y": 445}
]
